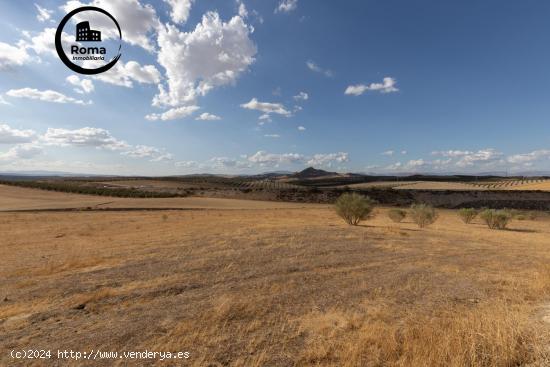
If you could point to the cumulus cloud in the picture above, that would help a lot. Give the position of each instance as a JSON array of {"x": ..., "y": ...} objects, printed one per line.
[
  {"x": 82, "y": 85},
  {"x": 21, "y": 151},
  {"x": 264, "y": 158},
  {"x": 173, "y": 114},
  {"x": 451, "y": 153},
  {"x": 301, "y": 128},
  {"x": 43, "y": 43},
  {"x": 90, "y": 137},
  {"x": 84, "y": 137},
  {"x": 145, "y": 151},
  {"x": 387, "y": 86},
  {"x": 180, "y": 10},
  {"x": 46, "y": 96},
  {"x": 142, "y": 151},
  {"x": 388, "y": 153},
  {"x": 205, "y": 116},
  {"x": 43, "y": 13},
  {"x": 483, "y": 156},
  {"x": 125, "y": 75},
  {"x": 302, "y": 96},
  {"x": 266, "y": 107},
  {"x": 316, "y": 68},
  {"x": 9, "y": 135},
  {"x": 328, "y": 159},
  {"x": 529, "y": 157},
  {"x": 243, "y": 13},
  {"x": 214, "y": 54},
  {"x": 11, "y": 56},
  {"x": 137, "y": 20},
  {"x": 286, "y": 6}
]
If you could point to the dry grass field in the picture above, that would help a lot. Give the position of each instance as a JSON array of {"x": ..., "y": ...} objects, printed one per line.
[
  {"x": 17, "y": 198},
  {"x": 275, "y": 287}
]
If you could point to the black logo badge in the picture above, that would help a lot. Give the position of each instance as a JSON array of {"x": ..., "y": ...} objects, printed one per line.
[{"x": 85, "y": 34}]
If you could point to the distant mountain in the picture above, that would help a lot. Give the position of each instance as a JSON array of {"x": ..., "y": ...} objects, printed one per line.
[
  {"x": 311, "y": 172},
  {"x": 48, "y": 173}
]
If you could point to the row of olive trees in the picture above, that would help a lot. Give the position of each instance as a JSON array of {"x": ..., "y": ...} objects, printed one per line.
[{"x": 354, "y": 208}]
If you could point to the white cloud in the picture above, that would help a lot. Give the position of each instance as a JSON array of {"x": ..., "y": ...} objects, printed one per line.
[
  {"x": 302, "y": 96},
  {"x": 83, "y": 85},
  {"x": 301, "y": 128},
  {"x": 529, "y": 157},
  {"x": 180, "y": 10},
  {"x": 43, "y": 43},
  {"x": 11, "y": 56},
  {"x": 46, "y": 96},
  {"x": 142, "y": 151},
  {"x": 387, "y": 86},
  {"x": 266, "y": 107},
  {"x": 84, "y": 137},
  {"x": 263, "y": 158},
  {"x": 451, "y": 153},
  {"x": 21, "y": 151},
  {"x": 9, "y": 135},
  {"x": 173, "y": 114},
  {"x": 145, "y": 151},
  {"x": 404, "y": 152},
  {"x": 125, "y": 74},
  {"x": 316, "y": 68},
  {"x": 243, "y": 13},
  {"x": 484, "y": 156},
  {"x": 205, "y": 116},
  {"x": 328, "y": 159},
  {"x": 214, "y": 54},
  {"x": 286, "y": 6},
  {"x": 275, "y": 136},
  {"x": 137, "y": 21},
  {"x": 164, "y": 157},
  {"x": 388, "y": 153},
  {"x": 43, "y": 13}
]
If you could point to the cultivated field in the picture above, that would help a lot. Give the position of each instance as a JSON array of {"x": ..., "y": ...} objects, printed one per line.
[{"x": 274, "y": 287}]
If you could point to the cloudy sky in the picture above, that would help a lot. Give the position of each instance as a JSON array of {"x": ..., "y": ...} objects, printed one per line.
[{"x": 231, "y": 86}]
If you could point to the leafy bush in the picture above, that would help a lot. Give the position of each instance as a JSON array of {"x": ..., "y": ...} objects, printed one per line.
[
  {"x": 467, "y": 214},
  {"x": 353, "y": 207},
  {"x": 496, "y": 219},
  {"x": 397, "y": 215},
  {"x": 423, "y": 214}
]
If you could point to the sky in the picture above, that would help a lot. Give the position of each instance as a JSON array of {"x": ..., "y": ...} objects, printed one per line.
[{"x": 250, "y": 86}]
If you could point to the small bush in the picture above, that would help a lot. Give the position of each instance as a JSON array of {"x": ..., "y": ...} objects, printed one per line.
[
  {"x": 423, "y": 214},
  {"x": 353, "y": 207},
  {"x": 397, "y": 215},
  {"x": 467, "y": 214},
  {"x": 496, "y": 219}
]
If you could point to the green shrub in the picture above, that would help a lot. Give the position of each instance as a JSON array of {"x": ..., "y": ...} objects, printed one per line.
[
  {"x": 467, "y": 214},
  {"x": 353, "y": 207},
  {"x": 423, "y": 214},
  {"x": 496, "y": 219},
  {"x": 397, "y": 215}
]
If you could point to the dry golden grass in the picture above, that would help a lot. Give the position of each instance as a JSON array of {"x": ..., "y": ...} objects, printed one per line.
[
  {"x": 276, "y": 287},
  {"x": 17, "y": 198}
]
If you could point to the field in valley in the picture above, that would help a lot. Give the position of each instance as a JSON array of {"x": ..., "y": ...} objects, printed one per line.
[{"x": 242, "y": 283}]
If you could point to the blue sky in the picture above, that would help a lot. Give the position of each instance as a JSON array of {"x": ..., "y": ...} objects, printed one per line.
[{"x": 252, "y": 86}]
